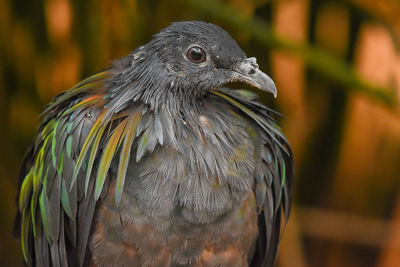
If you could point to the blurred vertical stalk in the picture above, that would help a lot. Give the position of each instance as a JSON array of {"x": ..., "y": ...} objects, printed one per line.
[
  {"x": 326, "y": 109},
  {"x": 290, "y": 19}
]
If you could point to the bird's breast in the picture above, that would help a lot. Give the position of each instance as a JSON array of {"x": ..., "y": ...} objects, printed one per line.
[
  {"x": 204, "y": 175},
  {"x": 189, "y": 202}
]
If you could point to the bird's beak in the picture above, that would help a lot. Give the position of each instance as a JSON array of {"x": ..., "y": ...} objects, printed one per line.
[{"x": 248, "y": 72}]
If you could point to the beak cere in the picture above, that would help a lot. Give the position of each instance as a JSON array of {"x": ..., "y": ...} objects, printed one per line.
[{"x": 248, "y": 72}]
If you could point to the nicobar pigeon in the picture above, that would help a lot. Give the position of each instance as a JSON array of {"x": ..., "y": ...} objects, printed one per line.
[{"x": 153, "y": 163}]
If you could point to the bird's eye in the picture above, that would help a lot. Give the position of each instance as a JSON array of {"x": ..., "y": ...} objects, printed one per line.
[{"x": 196, "y": 54}]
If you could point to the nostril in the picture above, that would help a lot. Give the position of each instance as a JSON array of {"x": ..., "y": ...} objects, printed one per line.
[{"x": 252, "y": 71}]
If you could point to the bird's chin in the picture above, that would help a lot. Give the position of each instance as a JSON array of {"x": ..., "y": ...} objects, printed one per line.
[{"x": 248, "y": 72}]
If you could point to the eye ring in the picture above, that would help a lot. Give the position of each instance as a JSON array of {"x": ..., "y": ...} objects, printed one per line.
[{"x": 196, "y": 54}]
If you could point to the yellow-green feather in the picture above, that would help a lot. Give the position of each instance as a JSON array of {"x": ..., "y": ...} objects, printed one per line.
[
  {"x": 48, "y": 127},
  {"x": 33, "y": 206},
  {"x": 61, "y": 165},
  {"x": 53, "y": 145},
  {"x": 83, "y": 104},
  {"x": 86, "y": 145},
  {"x": 25, "y": 191},
  {"x": 92, "y": 155},
  {"x": 107, "y": 156},
  {"x": 37, "y": 171},
  {"x": 44, "y": 212},
  {"x": 129, "y": 134},
  {"x": 25, "y": 235}
]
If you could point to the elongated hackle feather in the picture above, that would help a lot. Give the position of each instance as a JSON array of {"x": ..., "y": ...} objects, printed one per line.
[
  {"x": 25, "y": 190},
  {"x": 90, "y": 84},
  {"x": 276, "y": 136},
  {"x": 129, "y": 136},
  {"x": 47, "y": 190},
  {"x": 25, "y": 236},
  {"x": 91, "y": 100},
  {"x": 94, "y": 130},
  {"x": 93, "y": 153},
  {"x": 108, "y": 153}
]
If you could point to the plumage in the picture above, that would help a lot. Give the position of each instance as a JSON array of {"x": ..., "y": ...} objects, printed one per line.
[
  {"x": 106, "y": 158},
  {"x": 152, "y": 162},
  {"x": 130, "y": 130}
]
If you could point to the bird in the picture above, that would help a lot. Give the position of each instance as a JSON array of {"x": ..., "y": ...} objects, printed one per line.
[{"x": 155, "y": 162}]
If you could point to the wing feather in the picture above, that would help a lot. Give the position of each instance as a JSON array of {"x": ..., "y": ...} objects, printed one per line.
[
  {"x": 132, "y": 124},
  {"x": 53, "y": 211},
  {"x": 108, "y": 155}
]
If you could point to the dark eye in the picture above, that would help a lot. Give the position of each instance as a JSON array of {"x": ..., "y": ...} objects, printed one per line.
[{"x": 196, "y": 54}]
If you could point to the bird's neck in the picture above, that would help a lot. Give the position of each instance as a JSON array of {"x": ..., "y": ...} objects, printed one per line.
[{"x": 124, "y": 88}]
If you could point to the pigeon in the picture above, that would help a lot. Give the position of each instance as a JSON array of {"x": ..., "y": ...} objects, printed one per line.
[{"x": 154, "y": 162}]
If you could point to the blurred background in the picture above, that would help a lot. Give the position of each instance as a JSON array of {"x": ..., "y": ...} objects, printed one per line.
[{"x": 336, "y": 64}]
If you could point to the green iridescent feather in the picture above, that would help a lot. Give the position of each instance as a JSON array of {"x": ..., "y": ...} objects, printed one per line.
[{"x": 53, "y": 145}]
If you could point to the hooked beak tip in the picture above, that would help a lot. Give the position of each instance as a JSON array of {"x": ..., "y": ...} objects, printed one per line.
[
  {"x": 275, "y": 93},
  {"x": 249, "y": 72}
]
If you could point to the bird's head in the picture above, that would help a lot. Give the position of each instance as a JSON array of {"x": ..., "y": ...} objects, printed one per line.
[{"x": 182, "y": 63}]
